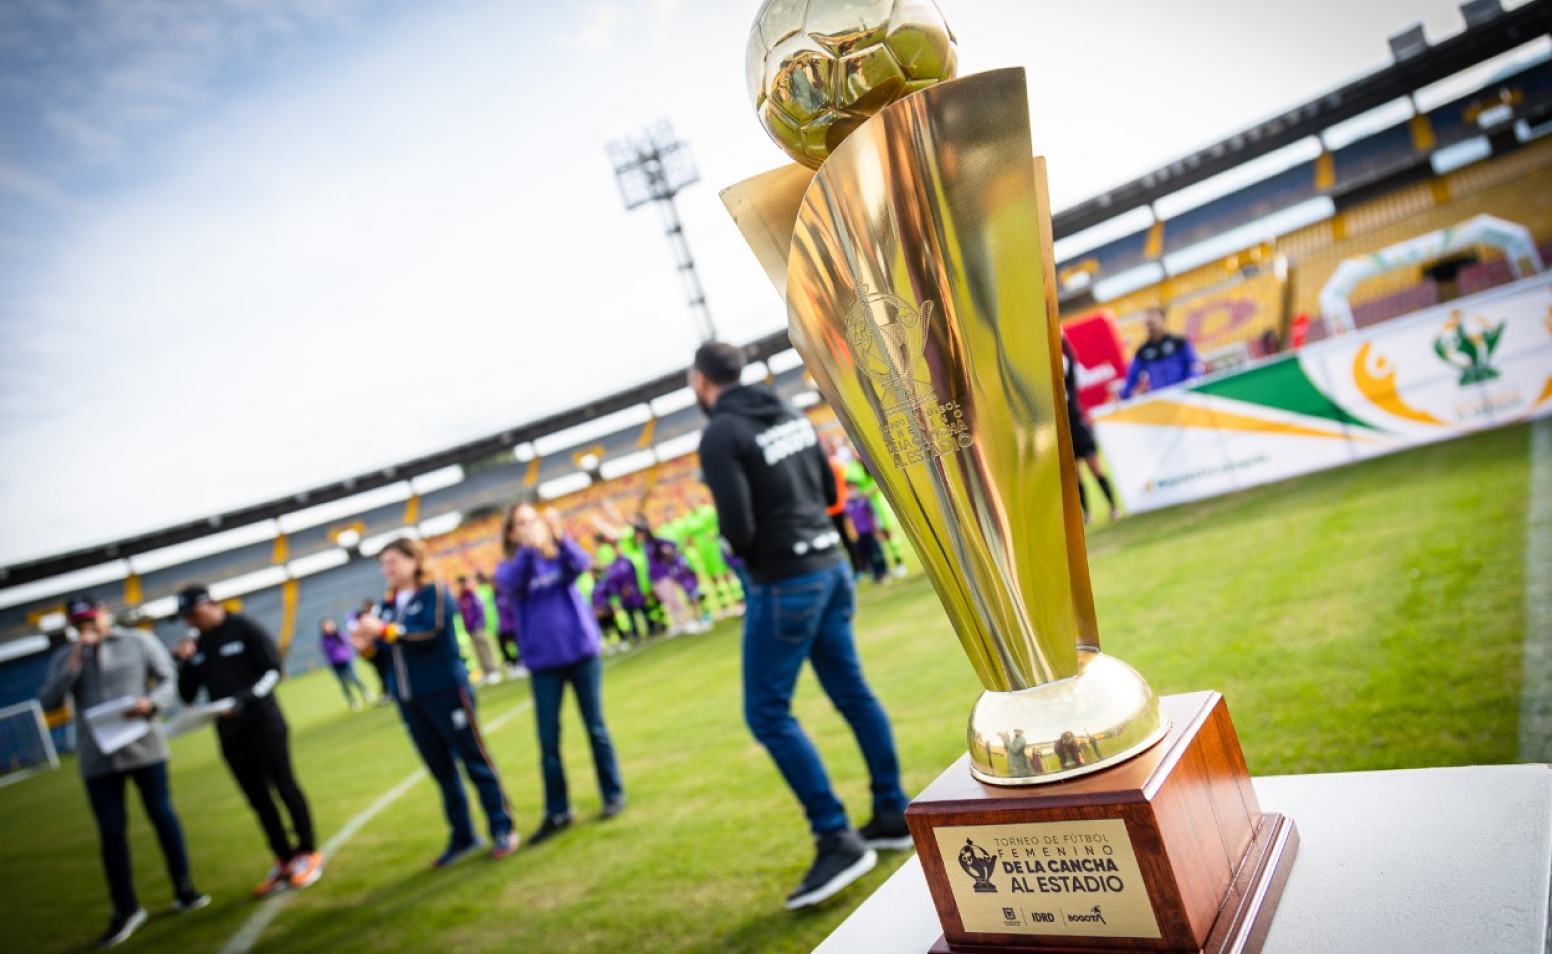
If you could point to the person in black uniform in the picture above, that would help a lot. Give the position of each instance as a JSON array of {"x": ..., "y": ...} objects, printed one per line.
[
  {"x": 233, "y": 659},
  {"x": 1083, "y": 446},
  {"x": 772, "y": 486}
]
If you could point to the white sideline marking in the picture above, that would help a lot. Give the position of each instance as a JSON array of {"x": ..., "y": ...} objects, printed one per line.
[
  {"x": 1536, "y": 669},
  {"x": 242, "y": 942}
]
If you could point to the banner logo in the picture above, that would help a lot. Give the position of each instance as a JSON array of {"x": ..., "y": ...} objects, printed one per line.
[{"x": 1467, "y": 344}]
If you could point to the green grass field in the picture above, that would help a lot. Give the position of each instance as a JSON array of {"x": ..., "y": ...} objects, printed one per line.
[{"x": 1368, "y": 618}]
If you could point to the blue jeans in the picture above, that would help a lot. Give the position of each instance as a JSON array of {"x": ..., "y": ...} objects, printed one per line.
[
  {"x": 346, "y": 674},
  {"x": 444, "y": 730},
  {"x": 106, "y": 793},
  {"x": 549, "y": 686},
  {"x": 801, "y": 618}
]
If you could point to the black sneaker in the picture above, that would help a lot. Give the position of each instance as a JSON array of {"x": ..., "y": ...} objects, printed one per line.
[
  {"x": 887, "y": 832},
  {"x": 842, "y": 859},
  {"x": 121, "y": 927},
  {"x": 457, "y": 853},
  {"x": 190, "y": 900},
  {"x": 549, "y": 828},
  {"x": 612, "y": 808}
]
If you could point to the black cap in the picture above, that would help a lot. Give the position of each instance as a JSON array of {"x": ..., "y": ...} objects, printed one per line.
[
  {"x": 190, "y": 597},
  {"x": 719, "y": 361},
  {"x": 82, "y": 606}
]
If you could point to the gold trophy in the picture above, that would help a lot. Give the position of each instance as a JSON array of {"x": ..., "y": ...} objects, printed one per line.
[{"x": 912, "y": 244}]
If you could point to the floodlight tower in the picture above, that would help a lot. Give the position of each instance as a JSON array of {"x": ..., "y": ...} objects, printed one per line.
[{"x": 653, "y": 167}]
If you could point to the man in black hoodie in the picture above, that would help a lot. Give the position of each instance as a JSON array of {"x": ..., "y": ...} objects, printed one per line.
[{"x": 772, "y": 485}]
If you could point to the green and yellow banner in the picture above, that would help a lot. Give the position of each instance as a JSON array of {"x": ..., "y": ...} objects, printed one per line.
[{"x": 1461, "y": 367}]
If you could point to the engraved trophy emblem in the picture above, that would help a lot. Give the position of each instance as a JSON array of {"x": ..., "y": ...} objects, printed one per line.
[
  {"x": 978, "y": 864},
  {"x": 887, "y": 338}
]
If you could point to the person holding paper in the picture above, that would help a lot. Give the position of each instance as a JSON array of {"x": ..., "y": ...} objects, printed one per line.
[
  {"x": 413, "y": 628},
  {"x": 235, "y": 661},
  {"x": 126, "y": 674}
]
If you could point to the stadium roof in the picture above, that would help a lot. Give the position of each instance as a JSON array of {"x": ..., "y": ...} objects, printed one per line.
[{"x": 1506, "y": 31}]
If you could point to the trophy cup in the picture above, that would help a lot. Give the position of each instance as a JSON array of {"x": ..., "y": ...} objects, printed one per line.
[{"x": 912, "y": 244}]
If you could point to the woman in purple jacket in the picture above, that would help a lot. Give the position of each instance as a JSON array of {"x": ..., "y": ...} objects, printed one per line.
[
  {"x": 559, "y": 640},
  {"x": 338, "y": 652}
]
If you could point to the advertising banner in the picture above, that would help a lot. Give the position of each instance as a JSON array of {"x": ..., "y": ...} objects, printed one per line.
[{"x": 1461, "y": 367}]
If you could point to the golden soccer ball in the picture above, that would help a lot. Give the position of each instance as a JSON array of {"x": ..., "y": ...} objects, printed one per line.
[{"x": 819, "y": 68}]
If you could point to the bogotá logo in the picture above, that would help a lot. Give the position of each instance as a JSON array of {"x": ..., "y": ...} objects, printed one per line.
[
  {"x": 1468, "y": 344},
  {"x": 978, "y": 864},
  {"x": 888, "y": 337},
  {"x": 1095, "y": 916}
]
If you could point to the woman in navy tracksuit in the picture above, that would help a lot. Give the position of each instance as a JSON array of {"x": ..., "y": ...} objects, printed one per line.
[{"x": 414, "y": 627}]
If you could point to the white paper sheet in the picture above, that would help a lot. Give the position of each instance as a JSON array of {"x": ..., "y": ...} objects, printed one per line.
[
  {"x": 190, "y": 718},
  {"x": 111, "y": 728}
]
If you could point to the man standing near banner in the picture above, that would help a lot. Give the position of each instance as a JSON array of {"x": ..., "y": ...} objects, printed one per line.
[
  {"x": 1166, "y": 359},
  {"x": 772, "y": 484},
  {"x": 233, "y": 659}
]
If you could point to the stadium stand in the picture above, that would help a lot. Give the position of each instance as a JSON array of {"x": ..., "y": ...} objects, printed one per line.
[
  {"x": 1404, "y": 302},
  {"x": 1523, "y": 95},
  {"x": 1281, "y": 191},
  {"x": 1372, "y": 158}
]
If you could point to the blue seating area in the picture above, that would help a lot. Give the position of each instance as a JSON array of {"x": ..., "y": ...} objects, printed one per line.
[
  {"x": 218, "y": 566},
  {"x": 1286, "y": 188},
  {"x": 1374, "y": 157},
  {"x": 1114, "y": 257},
  {"x": 1530, "y": 92}
]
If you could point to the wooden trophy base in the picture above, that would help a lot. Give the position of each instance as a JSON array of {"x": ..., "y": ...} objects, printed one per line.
[{"x": 1167, "y": 852}]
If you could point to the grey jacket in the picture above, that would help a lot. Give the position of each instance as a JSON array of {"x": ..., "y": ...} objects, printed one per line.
[{"x": 127, "y": 662}]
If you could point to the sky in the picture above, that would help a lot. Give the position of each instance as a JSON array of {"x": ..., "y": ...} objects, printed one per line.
[{"x": 252, "y": 246}]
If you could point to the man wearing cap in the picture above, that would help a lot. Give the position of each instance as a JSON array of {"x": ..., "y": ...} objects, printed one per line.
[
  {"x": 772, "y": 485},
  {"x": 236, "y": 661},
  {"x": 108, "y": 664}
]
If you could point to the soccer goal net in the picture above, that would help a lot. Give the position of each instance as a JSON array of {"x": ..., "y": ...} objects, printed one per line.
[{"x": 26, "y": 748}]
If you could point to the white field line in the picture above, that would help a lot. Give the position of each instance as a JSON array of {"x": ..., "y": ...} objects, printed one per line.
[{"x": 1536, "y": 687}]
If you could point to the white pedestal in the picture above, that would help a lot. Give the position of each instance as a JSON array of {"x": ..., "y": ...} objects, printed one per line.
[{"x": 1447, "y": 860}]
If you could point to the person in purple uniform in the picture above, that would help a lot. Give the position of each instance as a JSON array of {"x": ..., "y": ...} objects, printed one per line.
[
  {"x": 471, "y": 609},
  {"x": 338, "y": 653},
  {"x": 864, "y": 524},
  {"x": 663, "y": 562},
  {"x": 623, "y": 582},
  {"x": 602, "y": 599},
  {"x": 560, "y": 642},
  {"x": 506, "y": 635}
]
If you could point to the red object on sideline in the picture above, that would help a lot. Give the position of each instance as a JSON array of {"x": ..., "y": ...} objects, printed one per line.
[
  {"x": 1298, "y": 331},
  {"x": 1100, "y": 360}
]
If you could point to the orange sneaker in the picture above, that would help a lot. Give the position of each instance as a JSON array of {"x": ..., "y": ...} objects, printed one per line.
[
  {"x": 274, "y": 881},
  {"x": 306, "y": 868}
]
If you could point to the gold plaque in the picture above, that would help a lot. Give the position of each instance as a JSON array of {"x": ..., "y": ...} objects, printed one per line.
[{"x": 1059, "y": 879}]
